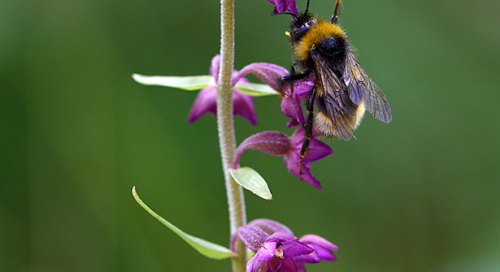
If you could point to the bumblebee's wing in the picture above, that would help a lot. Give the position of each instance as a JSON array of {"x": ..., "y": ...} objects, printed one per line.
[
  {"x": 339, "y": 113},
  {"x": 361, "y": 87}
]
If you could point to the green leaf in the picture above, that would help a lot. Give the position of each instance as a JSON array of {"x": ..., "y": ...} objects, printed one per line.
[
  {"x": 255, "y": 89},
  {"x": 252, "y": 181},
  {"x": 193, "y": 83},
  {"x": 188, "y": 83},
  {"x": 206, "y": 248}
]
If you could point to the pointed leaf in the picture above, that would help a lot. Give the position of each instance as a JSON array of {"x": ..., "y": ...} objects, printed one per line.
[
  {"x": 249, "y": 179},
  {"x": 206, "y": 248},
  {"x": 188, "y": 83},
  {"x": 255, "y": 89}
]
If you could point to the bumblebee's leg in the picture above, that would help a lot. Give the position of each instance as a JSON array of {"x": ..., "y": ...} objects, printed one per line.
[
  {"x": 290, "y": 79},
  {"x": 308, "y": 126},
  {"x": 292, "y": 73}
]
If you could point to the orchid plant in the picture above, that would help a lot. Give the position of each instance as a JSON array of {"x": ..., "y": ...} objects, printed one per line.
[{"x": 263, "y": 243}]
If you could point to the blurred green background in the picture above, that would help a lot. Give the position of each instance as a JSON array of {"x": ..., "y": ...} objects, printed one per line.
[{"x": 419, "y": 194}]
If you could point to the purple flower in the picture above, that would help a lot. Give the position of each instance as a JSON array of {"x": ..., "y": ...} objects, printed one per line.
[
  {"x": 279, "y": 144},
  {"x": 281, "y": 6},
  {"x": 206, "y": 101},
  {"x": 290, "y": 104},
  {"x": 317, "y": 150},
  {"x": 291, "y": 107},
  {"x": 278, "y": 250}
]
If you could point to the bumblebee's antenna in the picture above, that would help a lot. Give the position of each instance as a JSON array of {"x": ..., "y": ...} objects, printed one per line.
[
  {"x": 307, "y": 7},
  {"x": 335, "y": 16}
]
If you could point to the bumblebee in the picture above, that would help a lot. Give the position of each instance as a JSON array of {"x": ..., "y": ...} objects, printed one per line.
[{"x": 342, "y": 89}]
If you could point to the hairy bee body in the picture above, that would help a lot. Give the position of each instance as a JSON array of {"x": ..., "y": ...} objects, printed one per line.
[
  {"x": 342, "y": 89},
  {"x": 328, "y": 42}
]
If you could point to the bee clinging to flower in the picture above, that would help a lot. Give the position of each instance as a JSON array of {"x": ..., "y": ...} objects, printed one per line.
[{"x": 342, "y": 89}]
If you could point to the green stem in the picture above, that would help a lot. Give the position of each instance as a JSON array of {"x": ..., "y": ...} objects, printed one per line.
[{"x": 225, "y": 122}]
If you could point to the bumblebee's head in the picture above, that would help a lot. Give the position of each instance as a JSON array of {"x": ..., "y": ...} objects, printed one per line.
[{"x": 301, "y": 24}]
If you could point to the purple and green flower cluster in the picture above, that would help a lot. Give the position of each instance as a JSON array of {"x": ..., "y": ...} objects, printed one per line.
[
  {"x": 271, "y": 142},
  {"x": 275, "y": 247}
]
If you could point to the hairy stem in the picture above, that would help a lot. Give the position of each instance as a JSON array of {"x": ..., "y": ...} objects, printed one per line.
[{"x": 225, "y": 122}]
